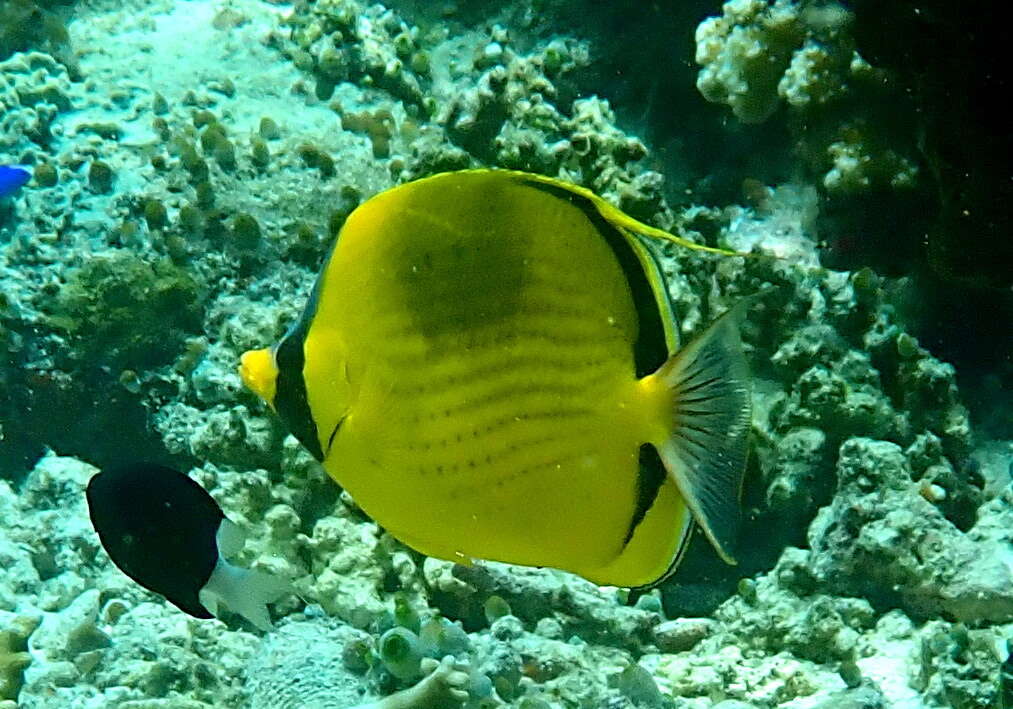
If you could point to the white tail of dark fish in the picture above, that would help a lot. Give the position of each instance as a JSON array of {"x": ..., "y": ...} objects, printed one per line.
[{"x": 243, "y": 591}]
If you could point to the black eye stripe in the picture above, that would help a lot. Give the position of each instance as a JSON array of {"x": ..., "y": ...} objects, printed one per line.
[{"x": 290, "y": 398}]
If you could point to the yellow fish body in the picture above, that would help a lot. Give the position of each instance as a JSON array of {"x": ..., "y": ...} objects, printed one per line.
[{"x": 485, "y": 366}]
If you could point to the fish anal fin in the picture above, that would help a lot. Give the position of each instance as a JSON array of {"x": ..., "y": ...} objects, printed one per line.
[{"x": 655, "y": 545}]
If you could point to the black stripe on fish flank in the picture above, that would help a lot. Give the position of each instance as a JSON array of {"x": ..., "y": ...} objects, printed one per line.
[
  {"x": 650, "y": 477},
  {"x": 650, "y": 350}
]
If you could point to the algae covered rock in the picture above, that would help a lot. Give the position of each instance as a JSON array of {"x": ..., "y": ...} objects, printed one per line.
[
  {"x": 29, "y": 24},
  {"x": 122, "y": 310},
  {"x": 14, "y": 656},
  {"x": 881, "y": 538},
  {"x": 960, "y": 667},
  {"x": 582, "y": 608},
  {"x": 86, "y": 350}
]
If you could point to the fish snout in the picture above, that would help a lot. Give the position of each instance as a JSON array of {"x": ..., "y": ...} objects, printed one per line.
[{"x": 259, "y": 373}]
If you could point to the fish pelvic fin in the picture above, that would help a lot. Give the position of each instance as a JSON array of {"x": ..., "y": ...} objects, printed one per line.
[{"x": 707, "y": 413}]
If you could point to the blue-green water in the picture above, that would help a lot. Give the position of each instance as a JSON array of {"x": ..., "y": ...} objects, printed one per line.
[{"x": 191, "y": 163}]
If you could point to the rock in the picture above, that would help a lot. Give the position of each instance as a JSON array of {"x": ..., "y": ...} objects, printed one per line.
[
  {"x": 861, "y": 698},
  {"x": 881, "y": 539},
  {"x": 681, "y": 634}
]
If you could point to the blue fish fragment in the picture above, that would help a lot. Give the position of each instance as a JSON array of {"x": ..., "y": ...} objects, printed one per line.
[{"x": 12, "y": 178}]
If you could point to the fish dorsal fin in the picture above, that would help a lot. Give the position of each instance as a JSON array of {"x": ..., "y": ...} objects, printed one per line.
[
  {"x": 619, "y": 219},
  {"x": 655, "y": 334}
]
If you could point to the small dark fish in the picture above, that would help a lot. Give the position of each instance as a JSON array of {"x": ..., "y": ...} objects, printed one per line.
[
  {"x": 12, "y": 178},
  {"x": 168, "y": 534}
]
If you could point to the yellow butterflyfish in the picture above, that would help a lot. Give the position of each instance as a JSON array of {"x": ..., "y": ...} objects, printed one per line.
[{"x": 489, "y": 365}]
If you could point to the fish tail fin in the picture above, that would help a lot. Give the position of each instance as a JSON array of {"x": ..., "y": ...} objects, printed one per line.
[
  {"x": 709, "y": 416},
  {"x": 244, "y": 591}
]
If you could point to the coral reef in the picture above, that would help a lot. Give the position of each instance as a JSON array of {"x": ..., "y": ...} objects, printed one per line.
[
  {"x": 34, "y": 90},
  {"x": 826, "y": 83},
  {"x": 885, "y": 538},
  {"x": 313, "y": 663},
  {"x": 942, "y": 57},
  {"x": 32, "y": 24},
  {"x": 758, "y": 56},
  {"x": 463, "y": 592},
  {"x": 178, "y": 218},
  {"x": 302, "y": 665}
]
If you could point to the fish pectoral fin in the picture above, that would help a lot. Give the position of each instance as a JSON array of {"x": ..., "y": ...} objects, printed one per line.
[{"x": 708, "y": 442}]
